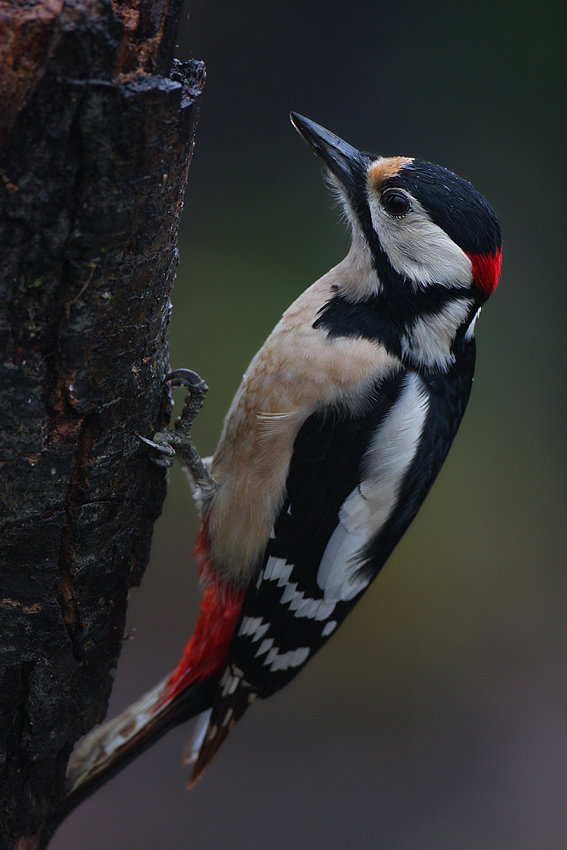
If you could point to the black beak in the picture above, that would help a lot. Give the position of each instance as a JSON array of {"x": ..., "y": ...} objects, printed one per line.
[{"x": 346, "y": 163}]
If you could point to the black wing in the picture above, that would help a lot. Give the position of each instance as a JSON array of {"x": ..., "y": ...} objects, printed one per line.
[{"x": 285, "y": 618}]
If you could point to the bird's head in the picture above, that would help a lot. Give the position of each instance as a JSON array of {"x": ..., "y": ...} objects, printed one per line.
[{"x": 424, "y": 241}]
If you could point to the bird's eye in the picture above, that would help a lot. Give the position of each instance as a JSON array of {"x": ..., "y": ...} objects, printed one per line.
[{"x": 396, "y": 203}]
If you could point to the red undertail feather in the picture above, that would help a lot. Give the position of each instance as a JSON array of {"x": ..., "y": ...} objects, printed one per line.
[
  {"x": 486, "y": 271},
  {"x": 205, "y": 653}
]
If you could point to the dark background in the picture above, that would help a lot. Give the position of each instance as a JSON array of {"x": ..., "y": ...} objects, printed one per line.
[{"x": 437, "y": 717}]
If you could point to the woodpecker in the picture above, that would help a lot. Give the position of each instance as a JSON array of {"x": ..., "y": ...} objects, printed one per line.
[{"x": 334, "y": 438}]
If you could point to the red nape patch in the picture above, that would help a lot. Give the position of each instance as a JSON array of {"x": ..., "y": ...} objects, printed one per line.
[
  {"x": 486, "y": 271},
  {"x": 205, "y": 653}
]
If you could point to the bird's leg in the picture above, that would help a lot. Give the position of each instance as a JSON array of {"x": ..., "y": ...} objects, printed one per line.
[{"x": 169, "y": 444}]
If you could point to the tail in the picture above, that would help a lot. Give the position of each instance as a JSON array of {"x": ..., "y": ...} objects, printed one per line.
[
  {"x": 189, "y": 690},
  {"x": 110, "y": 747},
  {"x": 233, "y": 695}
]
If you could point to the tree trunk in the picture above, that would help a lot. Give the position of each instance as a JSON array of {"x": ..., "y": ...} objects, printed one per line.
[{"x": 96, "y": 137}]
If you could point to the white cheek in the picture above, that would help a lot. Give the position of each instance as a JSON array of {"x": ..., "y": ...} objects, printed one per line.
[{"x": 420, "y": 250}]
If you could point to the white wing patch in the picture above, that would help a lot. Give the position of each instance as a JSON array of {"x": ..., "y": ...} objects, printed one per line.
[
  {"x": 285, "y": 660},
  {"x": 277, "y": 660},
  {"x": 389, "y": 457},
  {"x": 277, "y": 569},
  {"x": 253, "y": 627},
  {"x": 337, "y": 575},
  {"x": 367, "y": 509}
]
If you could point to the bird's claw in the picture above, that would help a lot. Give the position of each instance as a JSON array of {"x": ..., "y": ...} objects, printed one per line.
[
  {"x": 186, "y": 378},
  {"x": 161, "y": 446}
]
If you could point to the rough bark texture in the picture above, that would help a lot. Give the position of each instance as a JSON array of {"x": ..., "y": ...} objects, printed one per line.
[{"x": 95, "y": 143}]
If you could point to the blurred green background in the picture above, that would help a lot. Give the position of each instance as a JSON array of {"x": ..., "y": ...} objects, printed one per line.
[{"x": 437, "y": 717}]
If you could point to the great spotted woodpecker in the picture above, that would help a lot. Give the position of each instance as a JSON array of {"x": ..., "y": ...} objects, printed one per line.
[{"x": 334, "y": 438}]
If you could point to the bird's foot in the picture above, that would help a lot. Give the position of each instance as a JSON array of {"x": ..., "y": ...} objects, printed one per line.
[{"x": 176, "y": 443}]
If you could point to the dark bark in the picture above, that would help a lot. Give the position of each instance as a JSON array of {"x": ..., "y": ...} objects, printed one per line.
[{"x": 95, "y": 142}]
